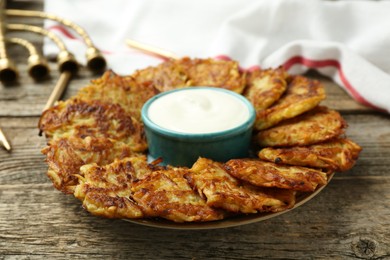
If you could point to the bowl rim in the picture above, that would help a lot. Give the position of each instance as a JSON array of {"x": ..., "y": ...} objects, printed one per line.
[{"x": 248, "y": 124}]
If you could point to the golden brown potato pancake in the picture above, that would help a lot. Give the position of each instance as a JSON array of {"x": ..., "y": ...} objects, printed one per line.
[
  {"x": 165, "y": 193},
  {"x": 302, "y": 94},
  {"x": 115, "y": 89},
  {"x": 186, "y": 72},
  {"x": 95, "y": 137},
  {"x": 214, "y": 73},
  {"x": 93, "y": 118},
  {"x": 335, "y": 155},
  {"x": 106, "y": 190},
  {"x": 318, "y": 125},
  {"x": 221, "y": 190},
  {"x": 65, "y": 156},
  {"x": 265, "y": 87},
  {"x": 165, "y": 76},
  {"x": 132, "y": 188},
  {"x": 267, "y": 174}
]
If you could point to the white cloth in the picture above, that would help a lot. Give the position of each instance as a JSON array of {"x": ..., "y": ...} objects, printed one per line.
[{"x": 348, "y": 41}]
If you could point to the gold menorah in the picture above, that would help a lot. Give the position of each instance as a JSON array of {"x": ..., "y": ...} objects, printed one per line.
[{"x": 37, "y": 65}]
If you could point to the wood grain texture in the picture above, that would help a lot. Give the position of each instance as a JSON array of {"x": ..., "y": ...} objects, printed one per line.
[{"x": 349, "y": 219}]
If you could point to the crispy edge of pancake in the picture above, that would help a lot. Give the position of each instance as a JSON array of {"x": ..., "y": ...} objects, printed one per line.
[
  {"x": 339, "y": 154},
  {"x": 165, "y": 193},
  {"x": 65, "y": 156},
  {"x": 221, "y": 190},
  {"x": 122, "y": 90},
  {"x": 186, "y": 72},
  {"x": 268, "y": 174},
  {"x": 265, "y": 87},
  {"x": 302, "y": 95},
  {"x": 318, "y": 125},
  {"x": 166, "y": 76},
  {"x": 93, "y": 118},
  {"x": 214, "y": 73},
  {"x": 106, "y": 190}
]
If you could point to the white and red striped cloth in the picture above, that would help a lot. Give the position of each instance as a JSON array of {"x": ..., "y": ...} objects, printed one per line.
[{"x": 348, "y": 41}]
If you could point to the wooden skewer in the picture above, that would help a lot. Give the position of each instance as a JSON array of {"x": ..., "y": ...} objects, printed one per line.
[
  {"x": 58, "y": 89},
  {"x": 4, "y": 141},
  {"x": 151, "y": 50}
]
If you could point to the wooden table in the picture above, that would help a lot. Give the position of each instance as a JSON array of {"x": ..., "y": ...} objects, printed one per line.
[{"x": 349, "y": 219}]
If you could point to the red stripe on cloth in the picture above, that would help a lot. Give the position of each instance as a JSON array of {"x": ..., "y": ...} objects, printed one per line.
[
  {"x": 332, "y": 63},
  {"x": 64, "y": 31}
]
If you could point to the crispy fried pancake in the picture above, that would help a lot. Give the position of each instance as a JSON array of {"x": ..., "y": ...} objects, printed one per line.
[
  {"x": 265, "y": 87},
  {"x": 115, "y": 89},
  {"x": 93, "y": 118},
  {"x": 315, "y": 126},
  {"x": 166, "y": 76},
  {"x": 65, "y": 156},
  {"x": 214, "y": 73},
  {"x": 95, "y": 137},
  {"x": 186, "y": 72},
  {"x": 221, "y": 190},
  {"x": 267, "y": 174},
  {"x": 106, "y": 190},
  {"x": 166, "y": 194},
  {"x": 302, "y": 94},
  {"x": 335, "y": 155}
]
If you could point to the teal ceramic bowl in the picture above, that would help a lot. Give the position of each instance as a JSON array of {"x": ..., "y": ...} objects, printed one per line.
[{"x": 183, "y": 149}]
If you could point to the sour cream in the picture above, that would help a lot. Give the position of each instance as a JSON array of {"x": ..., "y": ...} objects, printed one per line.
[{"x": 199, "y": 111}]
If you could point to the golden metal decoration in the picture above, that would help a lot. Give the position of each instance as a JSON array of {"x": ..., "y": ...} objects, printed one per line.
[
  {"x": 67, "y": 64},
  {"x": 37, "y": 65},
  {"x": 65, "y": 60},
  {"x": 58, "y": 89},
  {"x": 38, "y": 68},
  {"x": 95, "y": 59},
  {"x": 8, "y": 71},
  {"x": 4, "y": 141}
]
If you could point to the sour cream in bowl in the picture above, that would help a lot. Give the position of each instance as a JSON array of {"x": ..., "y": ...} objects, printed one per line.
[{"x": 185, "y": 124}]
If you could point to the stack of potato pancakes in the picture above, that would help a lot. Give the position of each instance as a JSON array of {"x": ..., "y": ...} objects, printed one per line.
[{"x": 97, "y": 148}]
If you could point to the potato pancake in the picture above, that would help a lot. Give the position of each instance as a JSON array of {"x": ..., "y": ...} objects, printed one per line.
[
  {"x": 166, "y": 76},
  {"x": 265, "y": 87},
  {"x": 106, "y": 190},
  {"x": 267, "y": 174},
  {"x": 214, "y": 73},
  {"x": 166, "y": 194},
  {"x": 186, "y": 72},
  {"x": 115, "y": 89},
  {"x": 335, "y": 155},
  {"x": 221, "y": 190},
  {"x": 65, "y": 156},
  {"x": 93, "y": 118},
  {"x": 315, "y": 126},
  {"x": 97, "y": 148},
  {"x": 302, "y": 94}
]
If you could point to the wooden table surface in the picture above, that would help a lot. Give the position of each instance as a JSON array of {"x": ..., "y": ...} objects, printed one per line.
[{"x": 349, "y": 219}]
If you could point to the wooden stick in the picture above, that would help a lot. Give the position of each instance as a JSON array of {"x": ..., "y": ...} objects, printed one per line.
[
  {"x": 4, "y": 141},
  {"x": 58, "y": 89},
  {"x": 151, "y": 50}
]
